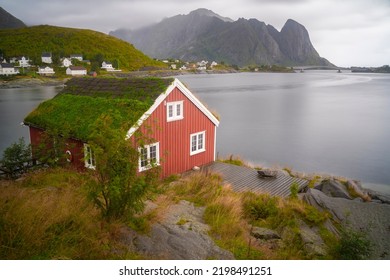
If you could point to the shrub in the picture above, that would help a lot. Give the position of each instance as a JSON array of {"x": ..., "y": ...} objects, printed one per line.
[
  {"x": 257, "y": 207},
  {"x": 294, "y": 188},
  {"x": 16, "y": 158},
  {"x": 353, "y": 245},
  {"x": 119, "y": 191}
]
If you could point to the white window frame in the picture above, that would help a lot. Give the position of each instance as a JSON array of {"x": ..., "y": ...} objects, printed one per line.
[
  {"x": 148, "y": 156},
  {"x": 89, "y": 157},
  {"x": 200, "y": 143},
  {"x": 175, "y": 116}
]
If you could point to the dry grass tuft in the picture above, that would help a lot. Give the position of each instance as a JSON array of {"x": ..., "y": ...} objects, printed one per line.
[{"x": 49, "y": 216}]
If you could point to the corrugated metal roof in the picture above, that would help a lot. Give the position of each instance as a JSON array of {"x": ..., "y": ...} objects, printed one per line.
[{"x": 243, "y": 179}]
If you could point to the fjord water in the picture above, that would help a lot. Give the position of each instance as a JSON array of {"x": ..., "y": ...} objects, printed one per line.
[
  {"x": 15, "y": 104},
  {"x": 315, "y": 122}
]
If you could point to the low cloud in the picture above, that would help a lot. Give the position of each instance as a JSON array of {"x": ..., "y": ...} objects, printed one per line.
[{"x": 345, "y": 32}]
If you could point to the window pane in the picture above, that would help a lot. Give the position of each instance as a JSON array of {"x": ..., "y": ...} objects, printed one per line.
[
  {"x": 144, "y": 157},
  {"x": 193, "y": 143},
  {"x": 200, "y": 141},
  {"x": 170, "y": 111},
  {"x": 178, "y": 110},
  {"x": 153, "y": 154}
]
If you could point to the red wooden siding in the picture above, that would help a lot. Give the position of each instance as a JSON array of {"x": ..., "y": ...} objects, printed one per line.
[
  {"x": 174, "y": 136},
  {"x": 76, "y": 147}
]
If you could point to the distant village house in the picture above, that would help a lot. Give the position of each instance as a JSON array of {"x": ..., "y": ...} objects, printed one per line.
[
  {"x": 24, "y": 61},
  {"x": 79, "y": 57},
  {"x": 46, "y": 71},
  {"x": 76, "y": 71},
  {"x": 66, "y": 62},
  {"x": 46, "y": 58},
  {"x": 107, "y": 65},
  {"x": 8, "y": 69}
]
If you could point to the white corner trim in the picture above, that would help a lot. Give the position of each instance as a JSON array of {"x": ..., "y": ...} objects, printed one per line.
[
  {"x": 196, "y": 101},
  {"x": 163, "y": 96},
  {"x": 157, "y": 102}
]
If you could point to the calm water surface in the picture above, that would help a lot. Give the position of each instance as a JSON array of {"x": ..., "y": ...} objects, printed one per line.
[
  {"x": 323, "y": 122},
  {"x": 15, "y": 104},
  {"x": 317, "y": 121}
]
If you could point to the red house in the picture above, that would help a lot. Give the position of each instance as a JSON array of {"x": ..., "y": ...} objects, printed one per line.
[{"x": 182, "y": 128}]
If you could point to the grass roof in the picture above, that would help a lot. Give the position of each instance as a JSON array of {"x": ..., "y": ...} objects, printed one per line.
[{"x": 75, "y": 109}]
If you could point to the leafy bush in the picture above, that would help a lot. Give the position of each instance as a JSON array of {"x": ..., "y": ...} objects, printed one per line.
[
  {"x": 353, "y": 245},
  {"x": 16, "y": 158}
]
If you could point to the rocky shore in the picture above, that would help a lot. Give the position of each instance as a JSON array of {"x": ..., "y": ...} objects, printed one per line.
[
  {"x": 31, "y": 82},
  {"x": 355, "y": 208}
]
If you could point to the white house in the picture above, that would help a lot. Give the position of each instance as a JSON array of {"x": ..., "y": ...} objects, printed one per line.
[
  {"x": 202, "y": 65},
  {"x": 46, "y": 58},
  {"x": 77, "y": 56},
  {"x": 24, "y": 62},
  {"x": 107, "y": 65},
  {"x": 76, "y": 71},
  {"x": 14, "y": 60},
  {"x": 213, "y": 64},
  {"x": 66, "y": 62},
  {"x": 45, "y": 71},
  {"x": 173, "y": 66},
  {"x": 8, "y": 69}
]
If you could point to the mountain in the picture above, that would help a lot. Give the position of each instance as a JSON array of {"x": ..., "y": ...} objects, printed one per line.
[
  {"x": 203, "y": 34},
  {"x": 62, "y": 42},
  {"x": 8, "y": 21}
]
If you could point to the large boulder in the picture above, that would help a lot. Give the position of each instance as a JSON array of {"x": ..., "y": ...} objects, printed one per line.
[
  {"x": 372, "y": 218},
  {"x": 313, "y": 243},
  {"x": 333, "y": 188},
  {"x": 264, "y": 233},
  {"x": 182, "y": 234}
]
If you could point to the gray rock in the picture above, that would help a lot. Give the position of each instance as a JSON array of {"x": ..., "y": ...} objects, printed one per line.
[
  {"x": 264, "y": 233},
  {"x": 383, "y": 198},
  {"x": 333, "y": 188},
  {"x": 181, "y": 235},
  {"x": 313, "y": 243},
  {"x": 372, "y": 218}
]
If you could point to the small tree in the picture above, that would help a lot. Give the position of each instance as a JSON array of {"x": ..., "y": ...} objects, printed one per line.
[
  {"x": 51, "y": 148},
  {"x": 16, "y": 158},
  {"x": 119, "y": 191}
]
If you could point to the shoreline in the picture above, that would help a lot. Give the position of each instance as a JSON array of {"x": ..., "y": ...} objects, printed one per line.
[
  {"x": 32, "y": 82},
  {"x": 26, "y": 82}
]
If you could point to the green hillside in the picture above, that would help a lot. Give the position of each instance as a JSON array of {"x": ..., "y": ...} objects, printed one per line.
[{"x": 62, "y": 42}]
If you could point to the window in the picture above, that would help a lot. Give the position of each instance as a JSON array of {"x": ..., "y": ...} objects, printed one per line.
[
  {"x": 149, "y": 156},
  {"x": 89, "y": 157},
  {"x": 197, "y": 143},
  {"x": 174, "y": 111}
]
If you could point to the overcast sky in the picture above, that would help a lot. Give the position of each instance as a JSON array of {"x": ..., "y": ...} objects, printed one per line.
[{"x": 346, "y": 32}]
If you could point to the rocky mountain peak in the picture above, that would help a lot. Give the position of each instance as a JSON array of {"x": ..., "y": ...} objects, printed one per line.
[
  {"x": 209, "y": 13},
  {"x": 9, "y": 21},
  {"x": 205, "y": 35}
]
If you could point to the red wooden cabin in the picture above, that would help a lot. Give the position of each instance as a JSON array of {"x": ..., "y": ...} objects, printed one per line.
[{"x": 182, "y": 128}]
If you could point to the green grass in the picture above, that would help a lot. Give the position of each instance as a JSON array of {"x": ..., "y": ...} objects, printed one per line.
[
  {"x": 62, "y": 42},
  {"x": 94, "y": 97}
]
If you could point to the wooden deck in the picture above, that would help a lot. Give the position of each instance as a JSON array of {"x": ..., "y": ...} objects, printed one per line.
[{"x": 246, "y": 179}]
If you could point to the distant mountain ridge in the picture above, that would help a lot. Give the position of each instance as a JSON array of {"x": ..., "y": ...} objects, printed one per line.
[
  {"x": 8, "y": 21},
  {"x": 203, "y": 34}
]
